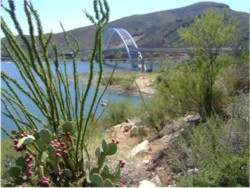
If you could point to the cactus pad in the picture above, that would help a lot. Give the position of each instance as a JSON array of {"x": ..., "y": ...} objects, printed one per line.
[
  {"x": 67, "y": 173},
  {"x": 71, "y": 163},
  {"x": 21, "y": 161},
  {"x": 104, "y": 146},
  {"x": 45, "y": 136},
  {"x": 51, "y": 150},
  {"x": 112, "y": 149},
  {"x": 97, "y": 152},
  {"x": 96, "y": 180},
  {"x": 68, "y": 127},
  {"x": 18, "y": 181},
  {"x": 41, "y": 145},
  {"x": 15, "y": 172},
  {"x": 108, "y": 183},
  {"x": 105, "y": 169},
  {"x": 36, "y": 135},
  {"x": 101, "y": 160}
]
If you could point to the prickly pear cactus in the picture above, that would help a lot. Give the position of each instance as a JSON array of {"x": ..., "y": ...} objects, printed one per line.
[
  {"x": 101, "y": 175},
  {"x": 67, "y": 173},
  {"x": 15, "y": 172},
  {"x": 68, "y": 127},
  {"x": 45, "y": 136},
  {"x": 108, "y": 183},
  {"x": 112, "y": 149},
  {"x": 96, "y": 180}
]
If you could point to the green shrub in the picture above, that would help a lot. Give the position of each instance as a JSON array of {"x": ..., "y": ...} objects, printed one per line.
[
  {"x": 185, "y": 89},
  {"x": 8, "y": 157},
  {"x": 234, "y": 172},
  {"x": 207, "y": 36},
  {"x": 125, "y": 83},
  {"x": 235, "y": 78},
  {"x": 118, "y": 112},
  {"x": 156, "y": 114},
  {"x": 219, "y": 150}
]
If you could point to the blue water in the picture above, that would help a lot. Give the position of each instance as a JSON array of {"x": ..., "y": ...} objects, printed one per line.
[{"x": 83, "y": 67}]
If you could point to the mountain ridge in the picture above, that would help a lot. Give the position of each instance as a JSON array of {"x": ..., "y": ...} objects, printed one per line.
[
  {"x": 159, "y": 29},
  {"x": 156, "y": 29}
]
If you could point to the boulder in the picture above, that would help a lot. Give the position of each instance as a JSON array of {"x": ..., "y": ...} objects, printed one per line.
[
  {"x": 145, "y": 162},
  {"x": 134, "y": 131},
  {"x": 193, "y": 171},
  {"x": 123, "y": 127},
  {"x": 146, "y": 184},
  {"x": 166, "y": 138},
  {"x": 145, "y": 131},
  {"x": 139, "y": 130},
  {"x": 193, "y": 119},
  {"x": 142, "y": 147},
  {"x": 119, "y": 127},
  {"x": 156, "y": 180}
]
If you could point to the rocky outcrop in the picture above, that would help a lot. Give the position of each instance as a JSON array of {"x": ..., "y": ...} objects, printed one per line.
[
  {"x": 156, "y": 180},
  {"x": 193, "y": 119},
  {"x": 151, "y": 155},
  {"x": 142, "y": 147},
  {"x": 124, "y": 127},
  {"x": 146, "y": 184}
]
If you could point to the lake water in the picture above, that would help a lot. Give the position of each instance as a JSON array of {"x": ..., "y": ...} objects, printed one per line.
[{"x": 83, "y": 67}]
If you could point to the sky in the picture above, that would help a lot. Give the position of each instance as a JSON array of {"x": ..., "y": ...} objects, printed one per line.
[{"x": 70, "y": 12}]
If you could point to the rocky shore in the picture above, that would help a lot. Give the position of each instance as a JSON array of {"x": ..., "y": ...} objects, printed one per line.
[{"x": 146, "y": 152}]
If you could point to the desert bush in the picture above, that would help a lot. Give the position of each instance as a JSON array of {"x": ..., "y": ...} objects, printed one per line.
[
  {"x": 184, "y": 89},
  {"x": 219, "y": 150},
  {"x": 118, "y": 112},
  {"x": 207, "y": 36},
  {"x": 117, "y": 80},
  {"x": 156, "y": 113},
  {"x": 192, "y": 87},
  {"x": 125, "y": 83},
  {"x": 235, "y": 78}
]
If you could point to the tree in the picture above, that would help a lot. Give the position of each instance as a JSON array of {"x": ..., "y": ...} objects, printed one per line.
[{"x": 207, "y": 36}]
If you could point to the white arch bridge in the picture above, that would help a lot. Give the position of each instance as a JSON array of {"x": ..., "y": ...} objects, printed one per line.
[{"x": 134, "y": 55}]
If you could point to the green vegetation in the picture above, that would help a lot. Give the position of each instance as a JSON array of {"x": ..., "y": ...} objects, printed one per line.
[
  {"x": 119, "y": 112},
  {"x": 214, "y": 152},
  {"x": 207, "y": 36},
  {"x": 8, "y": 157},
  {"x": 213, "y": 84},
  {"x": 194, "y": 87},
  {"x": 126, "y": 84},
  {"x": 219, "y": 150},
  {"x": 56, "y": 154}
]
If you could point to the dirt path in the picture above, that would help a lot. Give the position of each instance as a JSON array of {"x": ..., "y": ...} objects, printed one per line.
[{"x": 145, "y": 84}]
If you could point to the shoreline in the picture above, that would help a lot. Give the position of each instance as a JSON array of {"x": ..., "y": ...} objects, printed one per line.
[{"x": 144, "y": 81}]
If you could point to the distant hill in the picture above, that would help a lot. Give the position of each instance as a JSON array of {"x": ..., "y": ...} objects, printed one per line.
[{"x": 157, "y": 29}]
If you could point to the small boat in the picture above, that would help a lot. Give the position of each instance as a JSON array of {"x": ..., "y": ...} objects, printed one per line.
[{"x": 104, "y": 103}]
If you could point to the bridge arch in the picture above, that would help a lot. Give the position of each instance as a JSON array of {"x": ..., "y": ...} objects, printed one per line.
[{"x": 125, "y": 37}]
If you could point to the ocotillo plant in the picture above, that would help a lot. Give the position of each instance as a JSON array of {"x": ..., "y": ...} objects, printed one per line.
[{"x": 53, "y": 148}]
